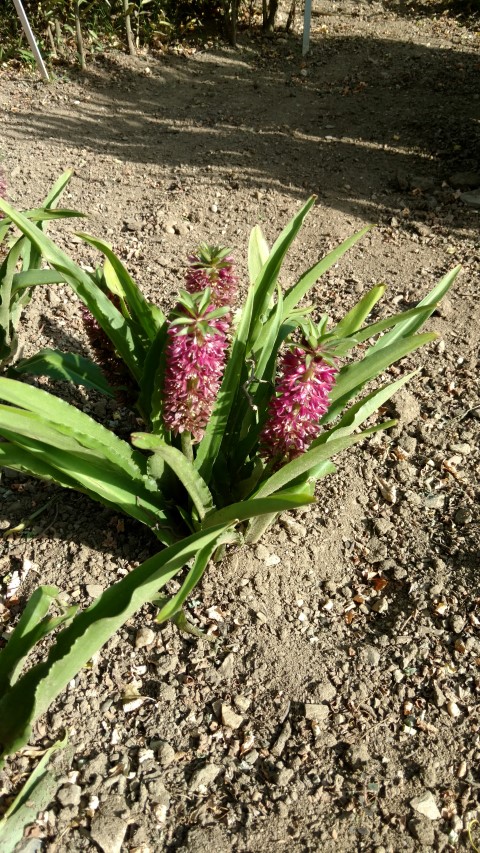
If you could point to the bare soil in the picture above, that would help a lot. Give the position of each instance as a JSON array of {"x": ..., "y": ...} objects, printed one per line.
[{"x": 341, "y": 679}]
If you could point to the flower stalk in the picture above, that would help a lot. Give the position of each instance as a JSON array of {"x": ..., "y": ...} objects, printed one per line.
[
  {"x": 306, "y": 375},
  {"x": 212, "y": 267},
  {"x": 194, "y": 362}
]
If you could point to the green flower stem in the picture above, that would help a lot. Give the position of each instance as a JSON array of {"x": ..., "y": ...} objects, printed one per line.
[{"x": 187, "y": 446}]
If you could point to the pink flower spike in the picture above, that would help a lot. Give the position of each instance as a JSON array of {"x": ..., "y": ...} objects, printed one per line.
[
  {"x": 301, "y": 399},
  {"x": 212, "y": 266},
  {"x": 195, "y": 358}
]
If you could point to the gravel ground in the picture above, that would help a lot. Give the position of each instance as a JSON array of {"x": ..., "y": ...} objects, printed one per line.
[{"x": 336, "y": 703}]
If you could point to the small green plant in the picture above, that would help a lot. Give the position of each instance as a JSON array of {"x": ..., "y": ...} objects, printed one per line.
[{"x": 243, "y": 411}]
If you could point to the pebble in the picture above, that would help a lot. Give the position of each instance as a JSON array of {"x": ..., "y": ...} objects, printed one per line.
[
  {"x": 227, "y": 667},
  {"x": 438, "y": 695},
  {"x": 316, "y": 711},
  {"x": 282, "y": 740},
  {"x": 203, "y": 777},
  {"x": 108, "y": 831},
  {"x": 472, "y": 199},
  {"x": 69, "y": 795},
  {"x": 165, "y": 753},
  {"x": 144, "y": 637},
  {"x": 434, "y": 501},
  {"x": 425, "y": 805},
  {"x": 429, "y": 776},
  {"x": 458, "y": 624},
  {"x": 230, "y": 718},
  {"x": 294, "y": 528},
  {"x": 158, "y": 792},
  {"x": 94, "y": 590},
  {"x": 284, "y": 777},
  {"x": 325, "y": 691},
  {"x": 377, "y": 550},
  {"x": 262, "y": 552},
  {"x": 371, "y": 655},
  {"x": 242, "y": 703},
  {"x": 465, "y": 180},
  {"x": 380, "y": 605},
  {"x": 463, "y": 516},
  {"x": 463, "y": 449},
  {"x": 357, "y": 756}
]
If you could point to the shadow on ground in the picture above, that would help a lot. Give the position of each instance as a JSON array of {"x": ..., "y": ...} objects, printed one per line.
[{"x": 367, "y": 118}]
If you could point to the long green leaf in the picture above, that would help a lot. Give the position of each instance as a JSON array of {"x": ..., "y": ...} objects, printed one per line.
[
  {"x": 32, "y": 694},
  {"x": 258, "y": 253},
  {"x": 258, "y": 505},
  {"x": 354, "y": 319},
  {"x": 37, "y": 792},
  {"x": 20, "y": 459},
  {"x": 67, "y": 366},
  {"x": 7, "y": 271},
  {"x": 308, "y": 279},
  {"x": 412, "y": 324},
  {"x": 194, "y": 576},
  {"x": 353, "y": 377},
  {"x": 312, "y": 457},
  {"x": 23, "y": 637},
  {"x": 367, "y": 332},
  {"x": 363, "y": 409},
  {"x": 71, "y": 421},
  {"x": 56, "y": 191},
  {"x": 31, "y": 278},
  {"x": 184, "y": 470},
  {"x": 147, "y": 315},
  {"x": 210, "y": 444},
  {"x": 249, "y": 327},
  {"x": 128, "y": 345},
  {"x": 266, "y": 281}
]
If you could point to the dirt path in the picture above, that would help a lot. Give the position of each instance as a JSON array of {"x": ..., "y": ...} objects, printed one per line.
[{"x": 338, "y": 706}]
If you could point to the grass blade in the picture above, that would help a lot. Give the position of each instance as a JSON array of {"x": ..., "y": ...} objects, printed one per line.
[
  {"x": 411, "y": 324},
  {"x": 258, "y": 505},
  {"x": 354, "y": 319}
]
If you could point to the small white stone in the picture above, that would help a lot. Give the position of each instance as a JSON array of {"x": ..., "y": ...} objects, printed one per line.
[
  {"x": 144, "y": 637},
  {"x": 230, "y": 718},
  {"x": 425, "y": 804}
]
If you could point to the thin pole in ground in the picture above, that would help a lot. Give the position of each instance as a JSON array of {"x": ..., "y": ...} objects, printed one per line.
[
  {"x": 306, "y": 27},
  {"x": 31, "y": 39}
]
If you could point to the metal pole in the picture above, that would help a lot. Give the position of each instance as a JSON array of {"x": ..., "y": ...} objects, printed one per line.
[
  {"x": 306, "y": 26},
  {"x": 31, "y": 39}
]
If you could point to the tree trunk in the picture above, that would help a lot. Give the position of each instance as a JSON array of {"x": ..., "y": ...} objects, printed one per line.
[
  {"x": 128, "y": 28},
  {"x": 291, "y": 16},
  {"x": 272, "y": 13},
  {"x": 78, "y": 33},
  {"x": 233, "y": 17},
  {"x": 51, "y": 39},
  {"x": 58, "y": 36}
]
